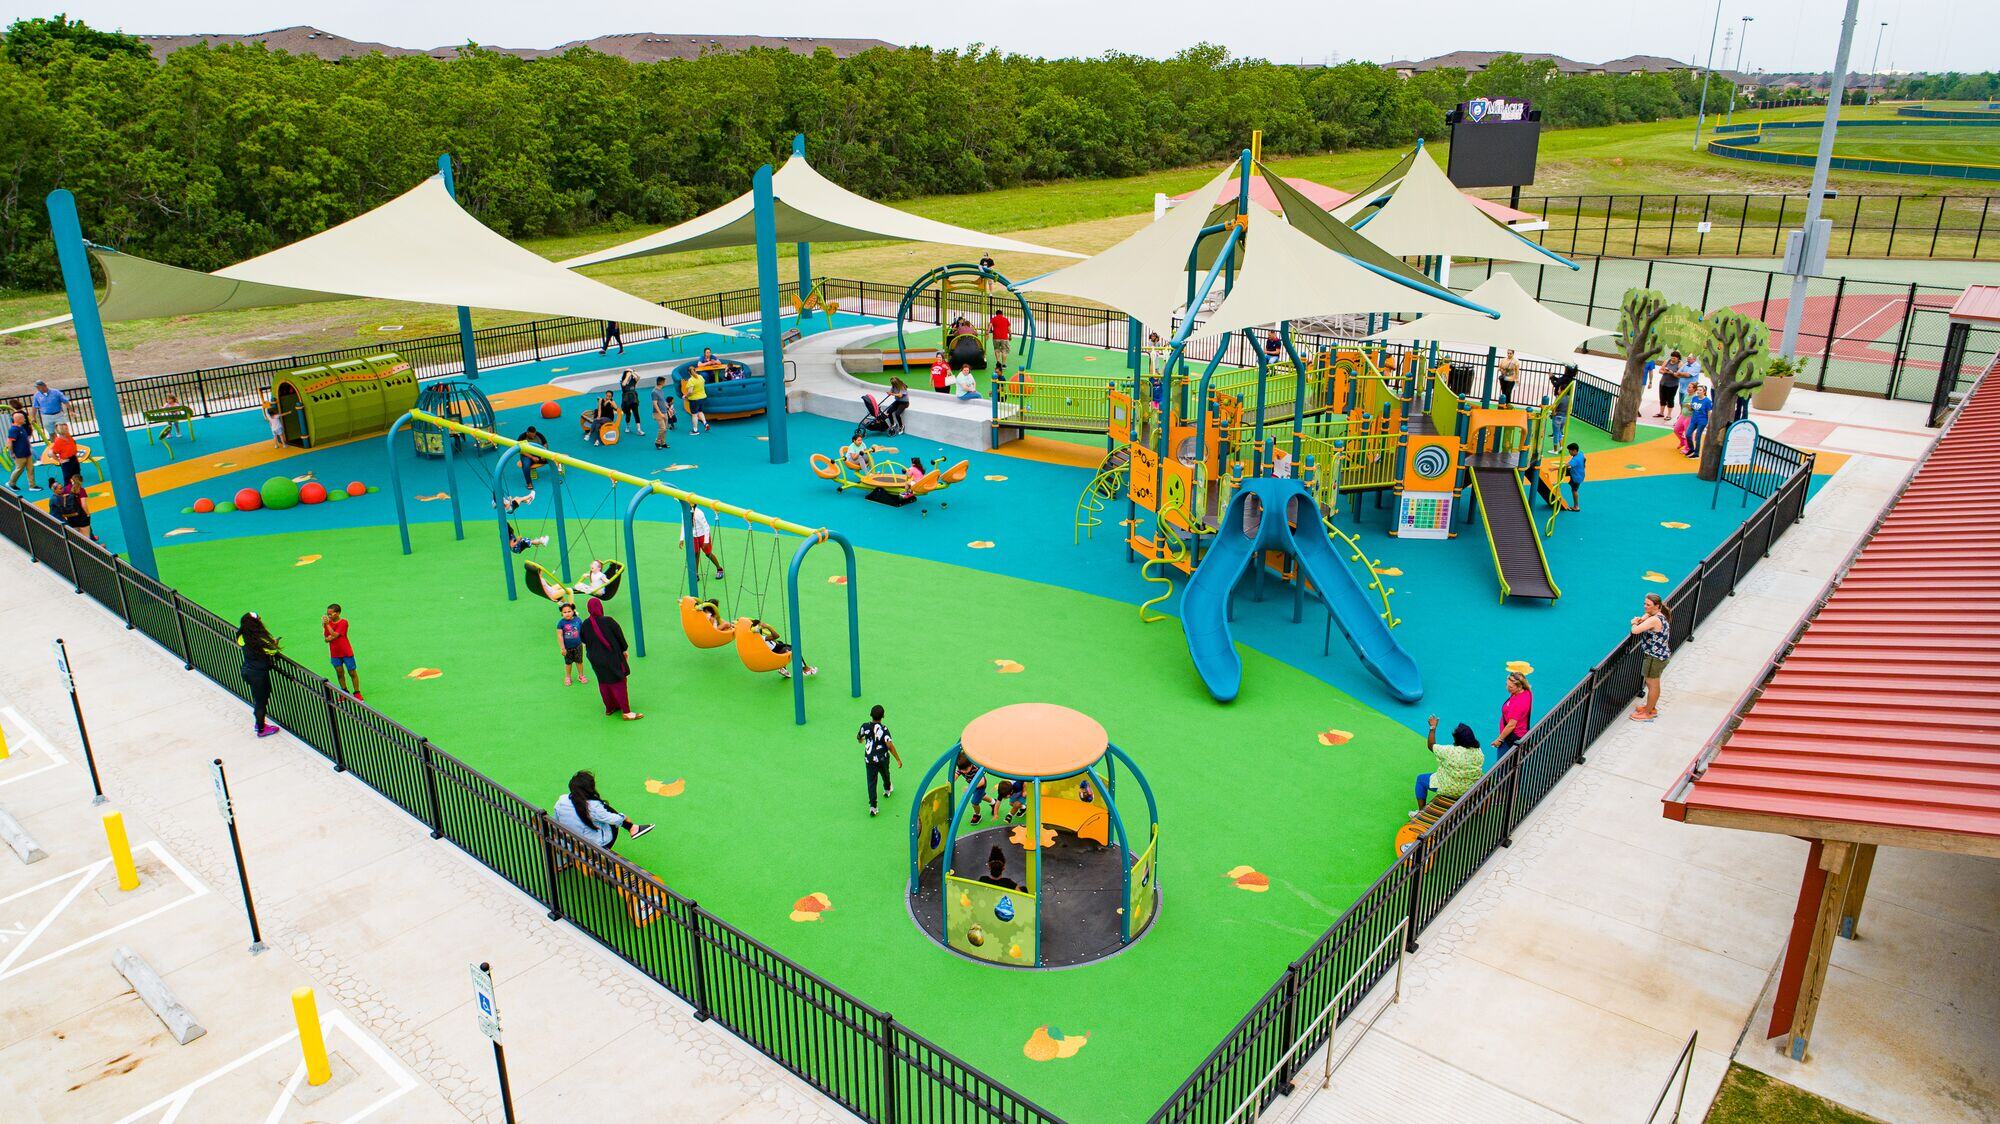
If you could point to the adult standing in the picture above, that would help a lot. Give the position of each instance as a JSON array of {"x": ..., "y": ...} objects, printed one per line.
[
  {"x": 1654, "y": 628},
  {"x": 663, "y": 411},
  {"x": 1459, "y": 765},
  {"x": 63, "y": 450},
  {"x": 1510, "y": 373},
  {"x": 611, "y": 336},
  {"x": 628, "y": 402},
  {"x": 1561, "y": 398},
  {"x": 1516, "y": 713},
  {"x": 260, "y": 650},
  {"x": 940, "y": 374},
  {"x": 21, "y": 450},
  {"x": 877, "y": 747},
  {"x": 1001, "y": 330},
  {"x": 582, "y": 811},
  {"x": 51, "y": 408},
  {"x": 604, "y": 646},
  {"x": 1669, "y": 384}
]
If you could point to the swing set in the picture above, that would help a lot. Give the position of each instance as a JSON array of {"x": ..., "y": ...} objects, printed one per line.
[{"x": 708, "y": 622}]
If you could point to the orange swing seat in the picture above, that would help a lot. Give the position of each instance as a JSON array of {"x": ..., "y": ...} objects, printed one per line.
[
  {"x": 702, "y": 630},
  {"x": 751, "y": 649}
]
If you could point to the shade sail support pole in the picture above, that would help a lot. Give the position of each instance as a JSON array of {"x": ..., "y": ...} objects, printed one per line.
[{"x": 467, "y": 353}]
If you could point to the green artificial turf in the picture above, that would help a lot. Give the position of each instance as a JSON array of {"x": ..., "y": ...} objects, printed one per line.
[
  {"x": 1967, "y": 144},
  {"x": 772, "y": 812}
]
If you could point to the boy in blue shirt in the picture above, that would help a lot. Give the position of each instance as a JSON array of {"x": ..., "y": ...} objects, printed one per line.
[
  {"x": 1699, "y": 405},
  {"x": 1575, "y": 468}
]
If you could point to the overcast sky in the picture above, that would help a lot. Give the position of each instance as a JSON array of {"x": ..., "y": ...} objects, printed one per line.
[{"x": 1786, "y": 35}]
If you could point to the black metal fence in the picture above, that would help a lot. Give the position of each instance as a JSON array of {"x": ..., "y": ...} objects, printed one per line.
[
  {"x": 1715, "y": 225},
  {"x": 859, "y": 1057},
  {"x": 1417, "y": 887}
]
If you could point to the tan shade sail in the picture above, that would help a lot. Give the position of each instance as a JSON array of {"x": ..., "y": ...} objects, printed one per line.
[
  {"x": 420, "y": 247},
  {"x": 1145, "y": 276},
  {"x": 1524, "y": 325},
  {"x": 1287, "y": 275},
  {"x": 1426, "y": 216},
  {"x": 808, "y": 208}
]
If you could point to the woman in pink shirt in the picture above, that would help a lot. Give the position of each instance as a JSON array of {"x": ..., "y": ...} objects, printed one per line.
[{"x": 1516, "y": 713}]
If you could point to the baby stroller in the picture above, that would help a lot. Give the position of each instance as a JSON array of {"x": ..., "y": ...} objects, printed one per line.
[{"x": 881, "y": 415}]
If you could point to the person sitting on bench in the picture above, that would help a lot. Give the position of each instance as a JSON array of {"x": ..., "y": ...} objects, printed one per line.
[
  {"x": 1459, "y": 765},
  {"x": 584, "y": 812}
]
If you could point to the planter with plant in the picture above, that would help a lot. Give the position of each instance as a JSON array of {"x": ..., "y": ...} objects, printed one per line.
[{"x": 1780, "y": 375}]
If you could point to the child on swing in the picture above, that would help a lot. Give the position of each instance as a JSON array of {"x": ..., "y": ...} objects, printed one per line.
[
  {"x": 594, "y": 581},
  {"x": 777, "y": 645},
  {"x": 517, "y": 544}
]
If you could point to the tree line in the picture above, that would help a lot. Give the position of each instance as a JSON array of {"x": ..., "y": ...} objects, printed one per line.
[{"x": 212, "y": 155}]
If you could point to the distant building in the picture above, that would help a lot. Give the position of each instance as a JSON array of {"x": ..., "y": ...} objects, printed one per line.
[
  {"x": 1473, "y": 62},
  {"x": 637, "y": 46}
]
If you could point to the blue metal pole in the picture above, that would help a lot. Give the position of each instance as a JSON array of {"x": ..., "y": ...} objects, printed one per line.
[
  {"x": 396, "y": 479},
  {"x": 798, "y": 636},
  {"x": 805, "y": 248},
  {"x": 446, "y": 441},
  {"x": 632, "y": 570},
  {"x": 74, "y": 259},
  {"x": 1299, "y": 395},
  {"x": 467, "y": 353},
  {"x": 562, "y": 528},
  {"x": 764, "y": 207},
  {"x": 507, "y": 459}
]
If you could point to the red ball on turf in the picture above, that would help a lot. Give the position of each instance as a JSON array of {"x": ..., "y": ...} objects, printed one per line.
[
  {"x": 357, "y": 488},
  {"x": 312, "y": 491},
  {"x": 204, "y": 505},
  {"x": 249, "y": 499},
  {"x": 551, "y": 410}
]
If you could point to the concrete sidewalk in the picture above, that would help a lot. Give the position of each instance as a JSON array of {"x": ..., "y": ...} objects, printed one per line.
[
  {"x": 356, "y": 900},
  {"x": 1563, "y": 981}
]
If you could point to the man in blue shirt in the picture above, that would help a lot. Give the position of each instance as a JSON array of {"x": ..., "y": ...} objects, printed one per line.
[
  {"x": 21, "y": 449},
  {"x": 51, "y": 408},
  {"x": 1575, "y": 468}
]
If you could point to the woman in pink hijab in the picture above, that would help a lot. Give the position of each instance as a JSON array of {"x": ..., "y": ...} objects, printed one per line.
[{"x": 604, "y": 646}]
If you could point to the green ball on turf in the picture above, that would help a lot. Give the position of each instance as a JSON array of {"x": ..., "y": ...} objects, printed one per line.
[
  {"x": 335, "y": 495},
  {"x": 187, "y": 511},
  {"x": 372, "y": 489},
  {"x": 279, "y": 493},
  {"x": 226, "y": 506}
]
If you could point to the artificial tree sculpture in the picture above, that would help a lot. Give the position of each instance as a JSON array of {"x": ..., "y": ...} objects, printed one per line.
[
  {"x": 1735, "y": 353},
  {"x": 1639, "y": 330}
]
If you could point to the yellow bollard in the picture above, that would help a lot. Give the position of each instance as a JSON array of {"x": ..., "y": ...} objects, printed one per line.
[
  {"x": 121, "y": 851},
  {"x": 311, "y": 1042}
]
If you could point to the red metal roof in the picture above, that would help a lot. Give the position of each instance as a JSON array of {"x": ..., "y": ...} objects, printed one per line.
[
  {"x": 1979, "y": 304},
  {"x": 1886, "y": 711}
]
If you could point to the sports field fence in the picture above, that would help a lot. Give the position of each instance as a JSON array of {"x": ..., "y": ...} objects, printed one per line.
[{"x": 860, "y": 1057}]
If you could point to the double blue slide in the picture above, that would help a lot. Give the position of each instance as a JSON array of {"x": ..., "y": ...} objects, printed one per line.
[{"x": 1283, "y": 516}]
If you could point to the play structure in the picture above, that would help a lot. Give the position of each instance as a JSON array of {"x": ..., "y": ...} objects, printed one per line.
[
  {"x": 338, "y": 401},
  {"x": 734, "y": 615},
  {"x": 963, "y": 300},
  {"x": 887, "y": 481},
  {"x": 1070, "y": 889},
  {"x": 462, "y": 402},
  {"x": 734, "y": 390}
]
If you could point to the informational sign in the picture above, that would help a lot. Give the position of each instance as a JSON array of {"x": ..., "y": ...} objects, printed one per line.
[
  {"x": 1494, "y": 143},
  {"x": 485, "y": 1008},
  {"x": 221, "y": 791},
  {"x": 1423, "y": 515},
  {"x": 1479, "y": 111},
  {"x": 62, "y": 665},
  {"x": 1739, "y": 444}
]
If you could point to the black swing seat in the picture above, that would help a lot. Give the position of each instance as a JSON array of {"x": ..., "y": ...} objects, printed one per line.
[{"x": 548, "y": 585}]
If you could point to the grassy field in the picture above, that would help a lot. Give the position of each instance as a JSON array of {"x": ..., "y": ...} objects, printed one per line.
[
  {"x": 1950, "y": 144},
  {"x": 1750, "y": 1097},
  {"x": 1084, "y": 216}
]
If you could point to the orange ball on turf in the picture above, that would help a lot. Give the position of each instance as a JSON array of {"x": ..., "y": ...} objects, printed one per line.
[
  {"x": 249, "y": 499},
  {"x": 204, "y": 505},
  {"x": 356, "y": 488},
  {"x": 551, "y": 410},
  {"x": 312, "y": 491}
]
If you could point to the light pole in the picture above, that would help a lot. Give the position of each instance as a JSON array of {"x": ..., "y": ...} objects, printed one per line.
[
  {"x": 1796, "y": 306},
  {"x": 1736, "y": 74},
  {"x": 1868, "y": 91},
  {"x": 1701, "y": 114}
]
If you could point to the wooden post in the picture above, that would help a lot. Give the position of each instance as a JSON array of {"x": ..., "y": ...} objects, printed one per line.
[
  {"x": 1857, "y": 890},
  {"x": 1802, "y": 979}
]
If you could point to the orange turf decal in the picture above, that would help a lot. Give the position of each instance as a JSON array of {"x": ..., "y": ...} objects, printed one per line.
[
  {"x": 837, "y": 579},
  {"x": 1672, "y": 525},
  {"x": 675, "y": 468},
  {"x": 1389, "y": 571},
  {"x": 1520, "y": 667},
  {"x": 1656, "y": 577},
  {"x": 1335, "y": 737},
  {"x": 432, "y": 499},
  {"x": 980, "y": 544},
  {"x": 1247, "y": 878},
  {"x": 308, "y": 559},
  {"x": 180, "y": 531},
  {"x": 1047, "y": 1044},
  {"x": 810, "y": 907},
  {"x": 423, "y": 673},
  {"x": 1007, "y": 667},
  {"x": 666, "y": 788},
  {"x": 995, "y": 477}
]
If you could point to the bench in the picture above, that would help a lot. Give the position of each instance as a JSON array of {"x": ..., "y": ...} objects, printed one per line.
[
  {"x": 643, "y": 909},
  {"x": 1427, "y": 818}
]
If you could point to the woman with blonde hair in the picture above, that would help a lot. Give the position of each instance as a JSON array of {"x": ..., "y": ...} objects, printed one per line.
[{"x": 1654, "y": 627}]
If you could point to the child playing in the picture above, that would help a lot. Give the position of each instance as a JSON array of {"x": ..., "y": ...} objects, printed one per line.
[
  {"x": 277, "y": 419},
  {"x": 694, "y": 391},
  {"x": 912, "y": 476},
  {"x": 594, "y": 580},
  {"x": 712, "y": 609},
  {"x": 1575, "y": 467},
  {"x": 517, "y": 544},
  {"x": 968, "y": 387},
  {"x": 856, "y": 455},
  {"x": 701, "y": 538},
  {"x": 569, "y": 630},
  {"x": 966, "y": 772},
  {"x": 877, "y": 747},
  {"x": 173, "y": 427},
  {"x": 772, "y": 641},
  {"x": 1699, "y": 404},
  {"x": 333, "y": 627}
]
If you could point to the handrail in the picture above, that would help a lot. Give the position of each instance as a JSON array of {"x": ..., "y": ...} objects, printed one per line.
[{"x": 1683, "y": 1071}]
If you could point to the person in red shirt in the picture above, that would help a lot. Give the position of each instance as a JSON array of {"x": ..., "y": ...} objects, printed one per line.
[
  {"x": 62, "y": 450},
  {"x": 940, "y": 375},
  {"x": 1002, "y": 330},
  {"x": 334, "y": 628}
]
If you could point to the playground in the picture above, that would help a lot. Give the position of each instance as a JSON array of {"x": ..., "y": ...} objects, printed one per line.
[{"x": 1245, "y": 589}]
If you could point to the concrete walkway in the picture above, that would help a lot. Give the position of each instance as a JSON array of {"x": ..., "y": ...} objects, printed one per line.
[
  {"x": 356, "y": 900},
  {"x": 1564, "y": 980}
]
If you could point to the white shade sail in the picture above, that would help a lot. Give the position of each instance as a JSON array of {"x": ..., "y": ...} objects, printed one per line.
[
  {"x": 1426, "y": 216},
  {"x": 808, "y": 208},
  {"x": 1287, "y": 275},
  {"x": 1523, "y": 325},
  {"x": 420, "y": 247},
  {"x": 1145, "y": 276}
]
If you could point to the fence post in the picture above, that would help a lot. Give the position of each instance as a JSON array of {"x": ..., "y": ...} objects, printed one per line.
[
  {"x": 888, "y": 1031},
  {"x": 1589, "y": 708},
  {"x": 1895, "y": 218},
  {"x": 69, "y": 555},
  {"x": 430, "y": 786},
  {"x": 1418, "y": 856},
  {"x": 1700, "y": 580},
  {"x": 535, "y": 339},
  {"x": 333, "y": 726},
  {"x": 1736, "y": 571},
  {"x": 1513, "y": 787},
  {"x": 1832, "y": 330},
  {"x": 546, "y": 831},
  {"x": 1938, "y": 227},
  {"x": 118, "y": 583},
  {"x": 696, "y": 943},
  {"x": 180, "y": 626},
  {"x": 1764, "y": 310},
  {"x": 1854, "y": 222},
  {"x": 1673, "y": 216},
  {"x": 1742, "y": 224},
  {"x": 1980, "y": 235},
  {"x": 1638, "y": 220},
  {"x": 1902, "y": 341},
  {"x": 1590, "y": 302}
]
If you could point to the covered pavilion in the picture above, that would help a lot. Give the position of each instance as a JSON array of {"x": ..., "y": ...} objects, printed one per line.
[
  {"x": 1524, "y": 326},
  {"x": 1414, "y": 211},
  {"x": 1875, "y": 726},
  {"x": 1331, "y": 198}
]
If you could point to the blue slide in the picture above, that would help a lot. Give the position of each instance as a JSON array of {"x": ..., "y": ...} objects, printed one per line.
[{"x": 1205, "y": 602}]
